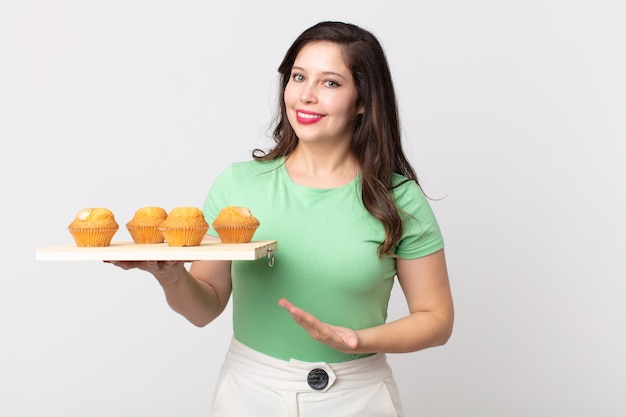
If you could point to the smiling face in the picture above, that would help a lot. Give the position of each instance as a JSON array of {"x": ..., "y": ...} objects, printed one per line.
[{"x": 321, "y": 96}]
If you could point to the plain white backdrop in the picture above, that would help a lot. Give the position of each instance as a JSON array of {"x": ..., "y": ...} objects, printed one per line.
[{"x": 514, "y": 115}]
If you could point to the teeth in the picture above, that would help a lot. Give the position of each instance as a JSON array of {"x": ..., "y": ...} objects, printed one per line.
[{"x": 308, "y": 116}]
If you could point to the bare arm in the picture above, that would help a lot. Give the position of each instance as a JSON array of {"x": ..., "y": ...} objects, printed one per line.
[
  {"x": 200, "y": 294},
  {"x": 426, "y": 287}
]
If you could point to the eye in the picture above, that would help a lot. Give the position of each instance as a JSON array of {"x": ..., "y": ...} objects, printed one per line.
[
  {"x": 331, "y": 84},
  {"x": 297, "y": 77}
]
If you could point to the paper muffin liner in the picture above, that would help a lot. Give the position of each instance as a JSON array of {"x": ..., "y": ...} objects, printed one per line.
[
  {"x": 92, "y": 237},
  {"x": 146, "y": 234},
  {"x": 183, "y": 236},
  {"x": 235, "y": 234}
]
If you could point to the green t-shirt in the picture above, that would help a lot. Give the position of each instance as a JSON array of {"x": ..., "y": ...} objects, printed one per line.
[{"x": 326, "y": 262}]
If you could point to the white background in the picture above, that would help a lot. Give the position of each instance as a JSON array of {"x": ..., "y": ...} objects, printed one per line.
[{"x": 514, "y": 115}]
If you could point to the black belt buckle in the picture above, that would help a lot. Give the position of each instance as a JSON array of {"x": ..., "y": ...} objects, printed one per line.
[{"x": 317, "y": 379}]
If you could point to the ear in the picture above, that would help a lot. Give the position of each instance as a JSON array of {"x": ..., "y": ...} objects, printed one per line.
[{"x": 361, "y": 109}]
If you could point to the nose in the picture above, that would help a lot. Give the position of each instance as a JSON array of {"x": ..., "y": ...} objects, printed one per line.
[{"x": 308, "y": 94}]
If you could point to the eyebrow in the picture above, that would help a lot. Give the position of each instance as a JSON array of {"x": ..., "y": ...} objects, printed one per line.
[{"x": 295, "y": 67}]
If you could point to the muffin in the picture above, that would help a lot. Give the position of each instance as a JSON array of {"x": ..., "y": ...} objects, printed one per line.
[
  {"x": 184, "y": 226},
  {"x": 235, "y": 224},
  {"x": 93, "y": 227},
  {"x": 144, "y": 226}
]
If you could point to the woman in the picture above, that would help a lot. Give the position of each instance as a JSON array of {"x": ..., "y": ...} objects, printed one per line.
[{"x": 338, "y": 194}]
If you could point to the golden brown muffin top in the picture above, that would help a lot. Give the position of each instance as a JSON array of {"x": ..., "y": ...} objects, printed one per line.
[
  {"x": 99, "y": 217},
  {"x": 235, "y": 216},
  {"x": 148, "y": 216},
  {"x": 185, "y": 217}
]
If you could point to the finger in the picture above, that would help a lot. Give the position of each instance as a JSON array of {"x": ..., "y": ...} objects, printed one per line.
[
  {"x": 122, "y": 264},
  {"x": 296, "y": 313},
  {"x": 305, "y": 319},
  {"x": 286, "y": 304}
]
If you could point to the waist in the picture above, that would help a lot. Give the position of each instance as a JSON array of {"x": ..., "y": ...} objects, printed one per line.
[{"x": 296, "y": 375}]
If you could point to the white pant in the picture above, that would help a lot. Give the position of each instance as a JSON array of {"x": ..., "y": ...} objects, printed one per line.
[{"x": 252, "y": 384}]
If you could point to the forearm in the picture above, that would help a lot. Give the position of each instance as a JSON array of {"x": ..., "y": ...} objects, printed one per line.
[
  {"x": 196, "y": 300},
  {"x": 425, "y": 284},
  {"x": 414, "y": 332}
]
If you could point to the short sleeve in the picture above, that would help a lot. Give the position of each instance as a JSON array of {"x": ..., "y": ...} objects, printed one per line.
[{"x": 421, "y": 232}]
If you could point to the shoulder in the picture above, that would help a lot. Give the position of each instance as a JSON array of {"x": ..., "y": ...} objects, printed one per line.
[
  {"x": 412, "y": 201},
  {"x": 253, "y": 167},
  {"x": 245, "y": 174},
  {"x": 421, "y": 233},
  {"x": 406, "y": 190}
]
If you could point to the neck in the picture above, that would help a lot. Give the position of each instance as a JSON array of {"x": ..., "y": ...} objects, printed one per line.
[{"x": 321, "y": 169}]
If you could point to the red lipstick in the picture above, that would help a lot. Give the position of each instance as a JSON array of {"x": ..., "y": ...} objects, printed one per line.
[{"x": 307, "y": 117}]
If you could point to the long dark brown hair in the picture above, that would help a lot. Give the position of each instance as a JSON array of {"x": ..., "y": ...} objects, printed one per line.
[{"x": 376, "y": 142}]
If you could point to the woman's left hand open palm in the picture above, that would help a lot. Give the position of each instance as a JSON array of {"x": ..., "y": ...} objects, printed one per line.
[{"x": 339, "y": 338}]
